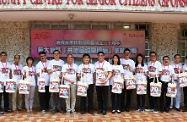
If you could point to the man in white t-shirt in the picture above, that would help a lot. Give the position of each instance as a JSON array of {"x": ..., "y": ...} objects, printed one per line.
[
  {"x": 166, "y": 77},
  {"x": 154, "y": 70},
  {"x": 15, "y": 71},
  {"x": 129, "y": 67},
  {"x": 41, "y": 70},
  {"x": 69, "y": 73},
  {"x": 103, "y": 74},
  {"x": 4, "y": 74},
  {"x": 177, "y": 69},
  {"x": 55, "y": 70}
]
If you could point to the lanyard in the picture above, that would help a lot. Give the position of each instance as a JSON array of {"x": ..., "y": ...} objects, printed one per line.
[
  {"x": 3, "y": 65},
  {"x": 101, "y": 66},
  {"x": 16, "y": 66},
  {"x": 31, "y": 71}
]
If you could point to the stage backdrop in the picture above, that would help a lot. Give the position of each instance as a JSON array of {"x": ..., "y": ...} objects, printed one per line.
[{"x": 79, "y": 42}]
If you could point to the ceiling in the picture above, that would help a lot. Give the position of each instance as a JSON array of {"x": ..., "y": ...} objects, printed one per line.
[{"x": 93, "y": 16}]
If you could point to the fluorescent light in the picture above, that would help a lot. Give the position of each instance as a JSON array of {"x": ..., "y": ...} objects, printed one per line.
[{"x": 126, "y": 26}]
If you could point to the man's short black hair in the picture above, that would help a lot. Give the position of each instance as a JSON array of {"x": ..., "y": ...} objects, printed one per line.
[
  {"x": 166, "y": 57},
  {"x": 86, "y": 54},
  {"x": 3, "y": 53},
  {"x": 152, "y": 52},
  {"x": 127, "y": 49},
  {"x": 176, "y": 55},
  {"x": 42, "y": 52},
  {"x": 100, "y": 52},
  {"x": 56, "y": 51},
  {"x": 16, "y": 55}
]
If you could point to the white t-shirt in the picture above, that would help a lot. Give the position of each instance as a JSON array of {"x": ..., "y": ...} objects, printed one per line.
[
  {"x": 53, "y": 64},
  {"x": 184, "y": 68},
  {"x": 70, "y": 72},
  {"x": 126, "y": 65},
  {"x": 118, "y": 69},
  {"x": 140, "y": 70},
  {"x": 102, "y": 67},
  {"x": 154, "y": 68},
  {"x": 30, "y": 74},
  {"x": 177, "y": 69},
  {"x": 16, "y": 71},
  {"x": 88, "y": 71},
  {"x": 168, "y": 71},
  {"x": 43, "y": 66},
  {"x": 4, "y": 71}
]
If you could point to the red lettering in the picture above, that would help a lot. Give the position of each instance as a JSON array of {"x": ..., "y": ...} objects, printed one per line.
[{"x": 75, "y": 1}]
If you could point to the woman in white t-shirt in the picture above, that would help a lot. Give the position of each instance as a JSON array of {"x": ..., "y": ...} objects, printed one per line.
[
  {"x": 118, "y": 73},
  {"x": 140, "y": 73},
  {"x": 29, "y": 74},
  {"x": 87, "y": 70}
]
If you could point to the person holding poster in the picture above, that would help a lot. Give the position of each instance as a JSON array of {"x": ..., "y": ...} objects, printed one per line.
[
  {"x": 15, "y": 71},
  {"x": 128, "y": 66},
  {"x": 55, "y": 69},
  {"x": 4, "y": 74},
  {"x": 87, "y": 70},
  {"x": 184, "y": 68},
  {"x": 141, "y": 74},
  {"x": 117, "y": 74},
  {"x": 69, "y": 73},
  {"x": 154, "y": 70},
  {"x": 177, "y": 69},
  {"x": 41, "y": 70},
  {"x": 103, "y": 74},
  {"x": 167, "y": 74},
  {"x": 29, "y": 74}
]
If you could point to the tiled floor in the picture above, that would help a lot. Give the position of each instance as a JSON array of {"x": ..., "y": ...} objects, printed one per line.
[{"x": 133, "y": 116}]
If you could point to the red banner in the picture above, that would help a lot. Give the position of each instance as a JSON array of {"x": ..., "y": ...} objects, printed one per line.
[{"x": 79, "y": 42}]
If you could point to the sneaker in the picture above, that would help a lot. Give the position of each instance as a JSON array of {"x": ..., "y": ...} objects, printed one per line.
[
  {"x": 113, "y": 111},
  {"x": 149, "y": 110},
  {"x": 184, "y": 110},
  {"x": 43, "y": 111},
  {"x": 82, "y": 112},
  {"x": 73, "y": 111},
  {"x": 138, "y": 109},
  {"x": 177, "y": 109},
  {"x": 104, "y": 112},
  {"x": 155, "y": 112}
]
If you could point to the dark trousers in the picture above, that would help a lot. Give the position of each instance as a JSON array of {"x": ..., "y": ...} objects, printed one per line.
[
  {"x": 90, "y": 92},
  {"x": 128, "y": 98},
  {"x": 153, "y": 101},
  {"x": 116, "y": 101},
  {"x": 102, "y": 97},
  {"x": 141, "y": 101},
  {"x": 6, "y": 99},
  {"x": 164, "y": 100},
  {"x": 185, "y": 97},
  {"x": 44, "y": 99},
  {"x": 123, "y": 99}
]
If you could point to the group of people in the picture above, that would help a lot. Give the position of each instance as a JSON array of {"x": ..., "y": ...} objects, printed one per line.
[{"x": 99, "y": 75}]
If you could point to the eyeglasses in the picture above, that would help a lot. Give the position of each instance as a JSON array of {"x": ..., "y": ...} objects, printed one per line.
[{"x": 4, "y": 55}]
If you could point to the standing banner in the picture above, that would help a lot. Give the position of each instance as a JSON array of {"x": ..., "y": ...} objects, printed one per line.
[{"x": 79, "y": 42}]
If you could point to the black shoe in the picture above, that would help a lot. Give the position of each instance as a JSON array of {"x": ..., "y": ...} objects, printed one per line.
[
  {"x": 99, "y": 112},
  {"x": 53, "y": 111},
  {"x": 91, "y": 112},
  {"x": 8, "y": 110},
  {"x": 1, "y": 112},
  {"x": 127, "y": 110},
  {"x": 82, "y": 112},
  {"x": 177, "y": 109},
  {"x": 104, "y": 112},
  {"x": 167, "y": 110},
  {"x": 60, "y": 110},
  {"x": 184, "y": 110},
  {"x": 122, "y": 110}
]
